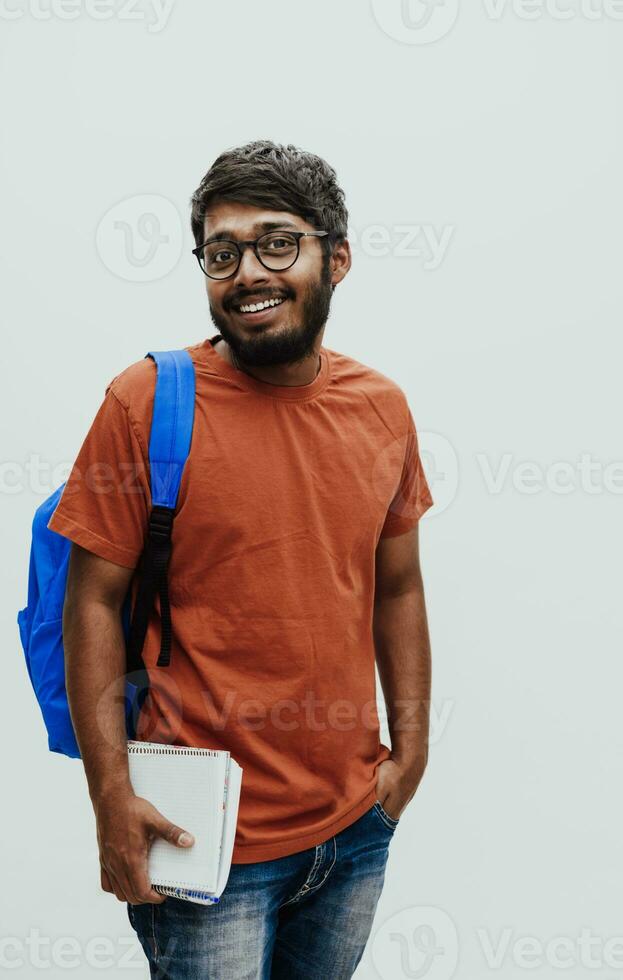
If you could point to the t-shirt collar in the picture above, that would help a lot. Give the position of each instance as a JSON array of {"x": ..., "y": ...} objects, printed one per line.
[{"x": 282, "y": 392}]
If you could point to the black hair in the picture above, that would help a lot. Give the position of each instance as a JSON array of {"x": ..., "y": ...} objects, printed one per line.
[{"x": 279, "y": 178}]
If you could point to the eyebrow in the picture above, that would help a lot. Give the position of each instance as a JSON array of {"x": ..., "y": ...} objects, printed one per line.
[{"x": 257, "y": 229}]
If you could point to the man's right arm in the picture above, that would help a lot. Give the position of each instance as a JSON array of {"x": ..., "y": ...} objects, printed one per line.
[
  {"x": 95, "y": 667},
  {"x": 95, "y": 664}
]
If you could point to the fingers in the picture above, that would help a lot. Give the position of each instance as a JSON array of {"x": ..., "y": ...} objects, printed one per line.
[
  {"x": 124, "y": 863},
  {"x": 131, "y": 883},
  {"x": 115, "y": 887},
  {"x": 172, "y": 833},
  {"x": 156, "y": 897},
  {"x": 132, "y": 886},
  {"x": 105, "y": 880}
]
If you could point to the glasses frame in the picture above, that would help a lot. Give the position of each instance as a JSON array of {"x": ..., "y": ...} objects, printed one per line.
[{"x": 252, "y": 243}]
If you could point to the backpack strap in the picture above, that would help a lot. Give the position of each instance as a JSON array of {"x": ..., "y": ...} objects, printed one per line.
[{"x": 169, "y": 446}]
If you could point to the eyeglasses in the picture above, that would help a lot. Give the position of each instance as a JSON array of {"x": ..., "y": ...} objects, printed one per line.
[{"x": 276, "y": 250}]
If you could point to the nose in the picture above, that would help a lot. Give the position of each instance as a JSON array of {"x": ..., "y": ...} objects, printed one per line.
[{"x": 250, "y": 270}]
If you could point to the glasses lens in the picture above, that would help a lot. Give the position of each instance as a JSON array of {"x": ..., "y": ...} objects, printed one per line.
[
  {"x": 219, "y": 259},
  {"x": 277, "y": 249}
]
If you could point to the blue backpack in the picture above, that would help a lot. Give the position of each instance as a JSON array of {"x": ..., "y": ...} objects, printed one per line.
[{"x": 40, "y": 622}]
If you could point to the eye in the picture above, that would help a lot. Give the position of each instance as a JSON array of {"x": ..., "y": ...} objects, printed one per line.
[
  {"x": 219, "y": 253},
  {"x": 276, "y": 243},
  {"x": 279, "y": 242},
  {"x": 223, "y": 255}
]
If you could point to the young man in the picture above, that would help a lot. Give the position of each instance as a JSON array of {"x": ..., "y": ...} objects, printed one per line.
[{"x": 294, "y": 565}]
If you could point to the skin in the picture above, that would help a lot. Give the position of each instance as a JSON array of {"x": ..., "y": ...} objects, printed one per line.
[
  {"x": 96, "y": 588},
  {"x": 403, "y": 657},
  {"x": 252, "y": 343}
]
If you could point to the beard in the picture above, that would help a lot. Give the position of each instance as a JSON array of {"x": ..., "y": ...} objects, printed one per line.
[{"x": 290, "y": 345}]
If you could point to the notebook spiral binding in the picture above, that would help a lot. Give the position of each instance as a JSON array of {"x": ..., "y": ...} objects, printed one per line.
[
  {"x": 154, "y": 748},
  {"x": 177, "y": 891}
]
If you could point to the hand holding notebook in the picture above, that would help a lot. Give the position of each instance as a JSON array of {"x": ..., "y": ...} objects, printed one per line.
[{"x": 199, "y": 790}]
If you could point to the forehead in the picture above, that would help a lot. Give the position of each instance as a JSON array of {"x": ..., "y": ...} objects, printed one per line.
[{"x": 229, "y": 219}]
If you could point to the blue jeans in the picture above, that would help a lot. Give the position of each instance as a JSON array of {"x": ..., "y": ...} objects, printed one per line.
[{"x": 306, "y": 916}]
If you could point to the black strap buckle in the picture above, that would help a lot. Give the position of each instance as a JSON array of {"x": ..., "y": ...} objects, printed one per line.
[{"x": 160, "y": 523}]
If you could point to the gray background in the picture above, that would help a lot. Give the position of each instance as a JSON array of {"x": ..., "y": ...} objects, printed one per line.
[{"x": 497, "y": 130}]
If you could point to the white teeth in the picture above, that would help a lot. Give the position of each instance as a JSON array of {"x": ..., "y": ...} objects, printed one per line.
[{"x": 255, "y": 307}]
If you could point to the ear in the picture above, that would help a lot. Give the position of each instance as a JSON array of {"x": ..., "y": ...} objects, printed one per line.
[{"x": 341, "y": 261}]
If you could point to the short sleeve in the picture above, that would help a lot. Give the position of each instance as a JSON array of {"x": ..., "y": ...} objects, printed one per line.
[
  {"x": 106, "y": 500},
  {"x": 413, "y": 496}
]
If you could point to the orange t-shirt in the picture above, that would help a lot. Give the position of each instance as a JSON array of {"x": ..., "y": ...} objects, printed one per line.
[{"x": 283, "y": 500}]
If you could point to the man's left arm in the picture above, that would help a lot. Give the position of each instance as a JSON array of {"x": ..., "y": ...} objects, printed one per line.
[{"x": 403, "y": 657}]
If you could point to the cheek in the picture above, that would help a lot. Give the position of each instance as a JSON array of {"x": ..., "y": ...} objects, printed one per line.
[
  {"x": 214, "y": 295},
  {"x": 300, "y": 284}
]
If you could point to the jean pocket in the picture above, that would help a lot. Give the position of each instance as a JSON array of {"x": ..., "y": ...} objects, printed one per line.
[{"x": 390, "y": 822}]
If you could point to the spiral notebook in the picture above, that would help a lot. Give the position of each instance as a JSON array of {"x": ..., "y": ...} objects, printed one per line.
[{"x": 199, "y": 790}]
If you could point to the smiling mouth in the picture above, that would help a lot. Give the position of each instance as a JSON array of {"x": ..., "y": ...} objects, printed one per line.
[
  {"x": 260, "y": 312},
  {"x": 267, "y": 304}
]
